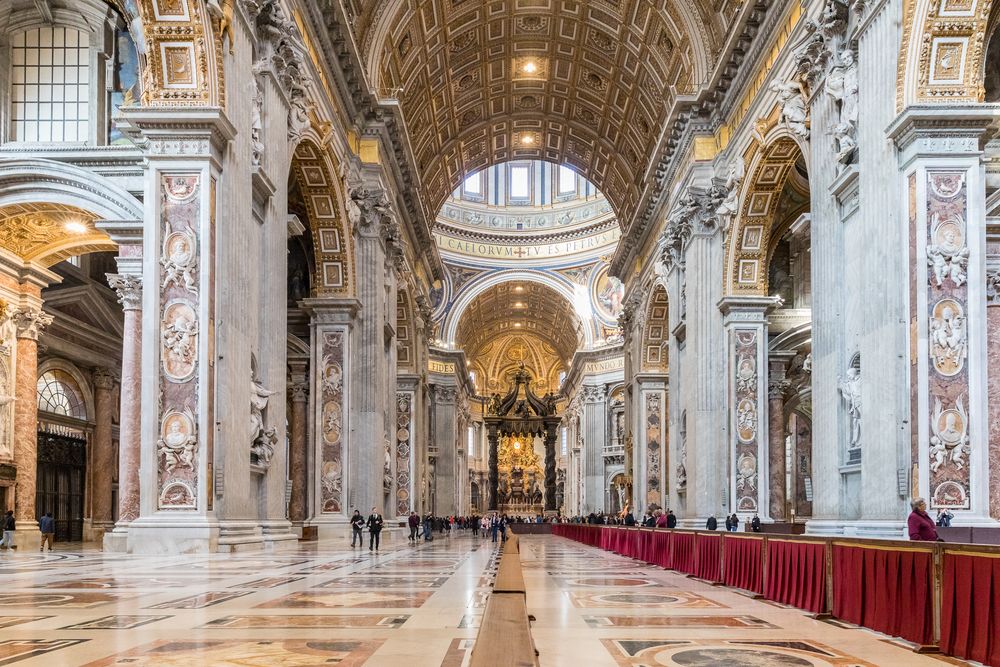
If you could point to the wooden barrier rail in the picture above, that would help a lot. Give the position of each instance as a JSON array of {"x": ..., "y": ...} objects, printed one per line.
[
  {"x": 936, "y": 595},
  {"x": 504, "y": 638}
]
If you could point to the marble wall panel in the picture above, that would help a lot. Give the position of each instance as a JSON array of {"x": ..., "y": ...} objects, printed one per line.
[
  {"x": 746, "y": 382},
  {"x": 654, "y": 448},
  {"x": 333, "y": 414},
  {"x": 404, "y": 449}
]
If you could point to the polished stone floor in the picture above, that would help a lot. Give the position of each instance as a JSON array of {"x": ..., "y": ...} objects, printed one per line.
[{"x": 410, "y": 605}]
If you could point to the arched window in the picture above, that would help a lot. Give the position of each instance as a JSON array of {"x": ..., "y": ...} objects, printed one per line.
[
  {"x": 50, "y": 85},
  {"x": 59, "y": 394}
]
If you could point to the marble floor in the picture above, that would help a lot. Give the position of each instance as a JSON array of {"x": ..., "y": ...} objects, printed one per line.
[{"x": 409, "y": 605}]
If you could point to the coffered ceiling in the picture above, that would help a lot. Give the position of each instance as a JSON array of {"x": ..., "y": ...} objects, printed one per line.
[
  {"x": 587, "y": 83},
  {"x": 527, "y": 309},
  {"x": 49, "y": 233}
]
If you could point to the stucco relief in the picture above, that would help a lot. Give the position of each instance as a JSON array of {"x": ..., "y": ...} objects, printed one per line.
[
  {"x": 949, "y": 446},
  {"x": 332, "y": 402},
  {"x": 404, "y": 418},
  {"x": 747, "y": 419},
  {"x": 178, "y": 443},
  {"x": 654, "y": 443}
]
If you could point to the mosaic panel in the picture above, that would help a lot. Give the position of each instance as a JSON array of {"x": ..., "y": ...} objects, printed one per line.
[
  {"x": 287, "y": 653},
  {"x": 404, "y": 418},
  {"x": 341, "y": 599},
  {"x": 329, "y": 622}
]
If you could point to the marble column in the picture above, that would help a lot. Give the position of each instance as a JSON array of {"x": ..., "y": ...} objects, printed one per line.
[
  {"x": 103, "y": 453},
  {"x": 594, "y": 432},
  {"x": 494, "y": 473},
  {"x": 30, "y": 321},
  {"x": 298, "y": 388},
  {"x": 129, "y": 289},
  {"x": 746, "y": 332},
  {"x": 444, "y": 438},
  {"x": 777, "y": 387}
]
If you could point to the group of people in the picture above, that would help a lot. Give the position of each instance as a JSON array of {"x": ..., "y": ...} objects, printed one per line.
[
  {"x": 46, "y": 526},
  {"x": 921, "y": 527}
]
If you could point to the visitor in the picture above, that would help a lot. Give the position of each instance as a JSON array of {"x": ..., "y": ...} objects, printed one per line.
[
  {"x": 414, "y": 523},
  {"x": 428, "y": 527},
  {"x": 944, "y": 518},
  {"x": 671, "y": 519},
  {"x": 484, "y": 527},
  {"x": 729, "y": 523},
  {"x": 357, "y": 524},
  {"x": 8, "y": 531},
  {"x": 474, "y": 523},
  {"x": 712, "y": 523},
  {"x": 374, "y": 529},
  {"x": 919, "y": 524},
  {"x": 47, "y": 526},
  {"x": 734, "y": 523},
  {"x": 755, "y": 524},
  {"x": 629, "y": 519},
  {"x": 650, "y": 520},
  {"x": 661, "y": 519}
]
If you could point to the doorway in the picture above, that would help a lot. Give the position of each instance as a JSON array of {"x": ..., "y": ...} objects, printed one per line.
[{"x": 62, "y": 467}]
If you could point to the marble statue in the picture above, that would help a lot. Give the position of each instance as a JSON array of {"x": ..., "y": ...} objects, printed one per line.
[
  {"x": 850, "y": 390},
  {"x": 730, "y": 207},
  {"x": 262, "y": 439},
  {"x": 948, "y": 337},
  {"x": 948, "y": 256},
  {"x": 179, "y": 262},
  {"x": 177, "y": 442},
  {"x": 950, "y": 441},
  {"x": 794, "y": 113},
  {"x": 844, "y": 141},
  {"x": 387, "y": 468},
  {"x": 256, "y": 120}
]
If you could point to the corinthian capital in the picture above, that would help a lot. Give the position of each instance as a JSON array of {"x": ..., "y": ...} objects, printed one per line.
[
  {"x": 369, "y": 211},
  {"x": 30, "y": 322},
  {"x": 129, "y": 289}
]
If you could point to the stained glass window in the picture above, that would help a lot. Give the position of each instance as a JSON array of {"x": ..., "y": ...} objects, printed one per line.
[{"x": 59, "y": 394}]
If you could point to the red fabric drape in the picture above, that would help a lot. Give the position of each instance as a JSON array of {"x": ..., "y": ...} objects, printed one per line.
[
  {"x": 796, "y": 574},
  {"x": 682, "y": 552},
  {"x": 970, "y": 608},
  {"x": 744, "y": 563},
  {"x": 708, "y": 553},
  {"x": 660, "y": 548},
  {"x": 886, "y": 590}
]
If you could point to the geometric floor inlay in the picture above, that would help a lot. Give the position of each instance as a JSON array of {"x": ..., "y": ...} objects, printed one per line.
[
  {"x": 334, "y": 599},
  {"x": 306, "y": 621},
  {"x": 281, "y": 653},
  {"x": 120, "y": 622},
  {"x": 677, "y": 622},
  {"x": 677, "y": 599},
  {"x": 15, "y": 650},
  {"x": 711, "y": 653}
]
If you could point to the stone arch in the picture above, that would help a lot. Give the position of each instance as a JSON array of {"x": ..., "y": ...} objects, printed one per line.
[
  {"x": 564, "y": 287},
  {"x": 50, "y": 210},
  {"x": 942, "y": 51},
  {"x": 656, "y": 332},
  {"x": 406, "y": 335},
  {"x": 750, "y": 237},
  {"x": 324, "y": 201}
]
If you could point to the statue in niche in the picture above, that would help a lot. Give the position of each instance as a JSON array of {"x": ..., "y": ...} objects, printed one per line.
[
  {"x": 844, "y": 141},
  {"x": 387, "y": 468},
  {"x": 256, "y": 120},
  {"x": 948, "y": 256},
  {"x": 850, "y": 391},
  {"x": 950, "y": 441},
  {"x": 842, "y": 85},
  {"x": 794, "y": 113},
  {"x": 493, "y": 406},
  {"x": 948, "y": 337},
  {"x": 262, "y": 439}
]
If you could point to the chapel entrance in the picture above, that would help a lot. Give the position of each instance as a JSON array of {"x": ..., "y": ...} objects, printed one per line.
[{"x": 62, "y": 467}]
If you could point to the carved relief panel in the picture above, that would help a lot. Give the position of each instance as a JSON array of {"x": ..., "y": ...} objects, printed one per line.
[
  {"x": 654, "y": 448},
  {"x": 747, "y": 418},
  {"x": 334, "y": 421},
  {"x": 404, "y": 447}
]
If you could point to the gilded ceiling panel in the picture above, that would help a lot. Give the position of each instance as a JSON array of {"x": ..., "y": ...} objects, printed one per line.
[{"x": 49, "y": 233}]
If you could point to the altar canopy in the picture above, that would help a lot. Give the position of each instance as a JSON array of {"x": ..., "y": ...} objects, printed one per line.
[{"x": 513, "y": 423}]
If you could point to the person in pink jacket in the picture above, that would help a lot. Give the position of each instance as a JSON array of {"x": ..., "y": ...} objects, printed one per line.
[{"x": 920, "y": 525}]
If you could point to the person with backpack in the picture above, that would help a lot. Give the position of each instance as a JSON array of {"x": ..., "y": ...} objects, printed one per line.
[
  {"x": 357, "y": 525},
  {"x": 8, "y": 531}
]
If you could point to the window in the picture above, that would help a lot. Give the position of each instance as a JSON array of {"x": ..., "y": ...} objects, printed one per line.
[
  {"x": 567, "y": 180},
  {"x": 565, "y": 441},
  {"x": 474, "y": 184},
  {"x": 50, "y": 89},
  {"x": 58, "y": 393},
  {"x": 519, "y": 182},
  {"x": 472, "y": 442}
]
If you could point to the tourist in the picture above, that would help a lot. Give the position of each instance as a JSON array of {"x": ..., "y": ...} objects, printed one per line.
[
  {"x": 484, "y": 526},
  {"x": 921, "y": 527},
  {"x": 47, "y": 526},
  {"x": 712, "y": 523},
  {"x": 8, "y": 531},
  {"x": 944, "y": 518},
  {"x": 374, "y": 524},
  {"x": 734, "y": 523},
  {"x": 629, "y": 519},
  {"x": 755, "y": 524},
  {"x": 671, "y": 519},
  {"x": 661, "y": 519},
  {"x": 729, "y": 523},
  {"x": 357, "y": 523},
  {"x": 428, "y": 527},
  {"x": 414, "y": 523}
]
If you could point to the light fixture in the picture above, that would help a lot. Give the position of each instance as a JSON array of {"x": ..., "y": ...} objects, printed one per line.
[
  {"x": 75, "y": 227},
  {"x": 519, "y": 305},
  {"x": 518, "y": 289},
  {"x": 530, "y": 67},
  {"x": 517, "y": 325},
  {"x": 527, "y": 139}
]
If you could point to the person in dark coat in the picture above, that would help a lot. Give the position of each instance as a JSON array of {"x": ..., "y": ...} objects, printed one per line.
[
  {"x": 734, "y": 523},
  {"x": 9, "y": 526},
  {"x": 374, "y": 524},
  {"x": 47, "y": 526},
  {"x": 671, "y": 519},
  {"x": 755, "y": 524},
  {"x": 414, "y": 523},
  {"x": 712, "y": 523},
  {"x": 629, "y": 519},
  {"x": 729, "y": 523},
  {"x": 920, "y": 525},
  {"x": 357, "y": 525}
]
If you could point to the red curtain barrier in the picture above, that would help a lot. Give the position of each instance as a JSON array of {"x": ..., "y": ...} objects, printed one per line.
[
  {"x": 709, "y": 552},
  {"x": 887, "y": 590},
  {"x": 796, "y": 574},
  {"x": 970, "y": 607},
  {"x": 682, "y": 552},
  {"x": 660, "y": 548},
  {"x": 744, "y": 558}
]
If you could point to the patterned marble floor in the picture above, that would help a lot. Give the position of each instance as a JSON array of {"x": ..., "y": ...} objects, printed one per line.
[
  {"x": 596, "y": 608},
  {"x": 411, "y": 606}
]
